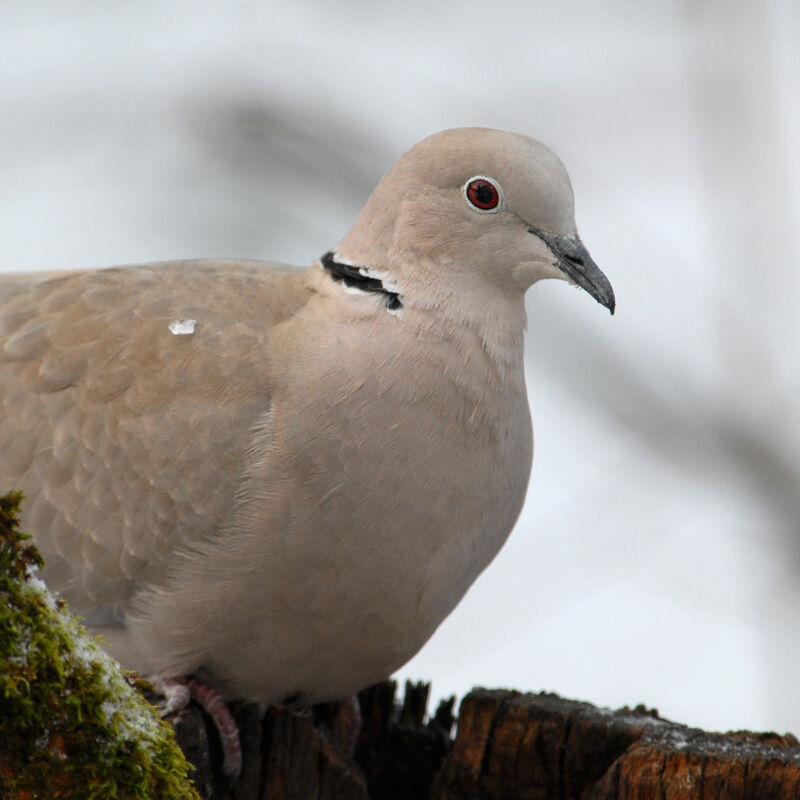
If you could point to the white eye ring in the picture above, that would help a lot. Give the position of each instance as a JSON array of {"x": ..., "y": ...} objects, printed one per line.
[{"x": 483, "y": 194}]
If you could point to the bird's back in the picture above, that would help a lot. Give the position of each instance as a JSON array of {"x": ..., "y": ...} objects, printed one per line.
[{"x": 127, "y": 397}]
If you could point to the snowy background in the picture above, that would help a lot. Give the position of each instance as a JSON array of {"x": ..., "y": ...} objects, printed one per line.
[{"x": 658, "y": 556}]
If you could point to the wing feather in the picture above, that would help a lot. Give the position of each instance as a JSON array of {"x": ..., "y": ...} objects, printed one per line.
[{"x": 129, "y": 440}]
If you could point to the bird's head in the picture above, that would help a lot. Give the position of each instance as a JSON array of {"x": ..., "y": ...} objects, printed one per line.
[{"x": 473, "y": 208}]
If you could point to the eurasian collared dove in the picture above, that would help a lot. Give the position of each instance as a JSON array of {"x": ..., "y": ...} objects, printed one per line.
[{"x": 282, "y": 480}]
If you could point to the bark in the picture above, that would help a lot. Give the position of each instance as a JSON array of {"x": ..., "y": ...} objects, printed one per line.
[{"x": 328, "y": 752}]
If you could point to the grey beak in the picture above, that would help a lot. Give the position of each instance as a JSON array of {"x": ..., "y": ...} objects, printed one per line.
[{"x": 576, "y": 263}]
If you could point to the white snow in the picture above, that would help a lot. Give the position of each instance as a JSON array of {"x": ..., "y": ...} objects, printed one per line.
[{"x": 182, "y": 327}]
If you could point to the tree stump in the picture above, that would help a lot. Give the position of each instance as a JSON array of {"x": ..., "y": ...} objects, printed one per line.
[
  {"x": 509, "y": 746},
  {"x": 324, "y": 752}
]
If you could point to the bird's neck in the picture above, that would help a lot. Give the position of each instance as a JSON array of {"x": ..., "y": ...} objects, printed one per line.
[
  {"x": 477, "y": 318},
  {"x": 494, "y": 332}
]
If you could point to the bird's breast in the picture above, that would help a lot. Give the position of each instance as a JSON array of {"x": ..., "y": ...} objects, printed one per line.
[{"x": 413, "y": 485}]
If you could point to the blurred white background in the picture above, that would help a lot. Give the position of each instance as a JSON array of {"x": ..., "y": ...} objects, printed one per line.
[{"x": 658, "y": 557}]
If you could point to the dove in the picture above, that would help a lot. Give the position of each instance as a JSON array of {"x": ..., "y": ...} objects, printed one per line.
[{"x": 277, "y": 480}]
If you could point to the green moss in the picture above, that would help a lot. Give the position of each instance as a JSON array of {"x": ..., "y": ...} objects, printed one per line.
[{"x": 72, "y": 724}]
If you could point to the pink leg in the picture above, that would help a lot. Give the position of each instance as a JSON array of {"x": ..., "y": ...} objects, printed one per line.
[
  {"x": 213, "y": 704},
  {"x": 178, "y": 691}
]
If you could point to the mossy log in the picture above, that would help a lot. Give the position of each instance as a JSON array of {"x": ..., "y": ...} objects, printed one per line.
[
  {"x": 73, "y": 725},
  {"x": 509, "y": 746}
]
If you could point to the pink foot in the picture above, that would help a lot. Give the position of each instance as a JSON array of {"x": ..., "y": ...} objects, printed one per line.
[
  {"x": 178, "y": 691},
  {"x": 176, "y": 694}
]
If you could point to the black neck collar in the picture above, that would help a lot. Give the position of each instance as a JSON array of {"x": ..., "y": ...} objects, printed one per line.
[{"x": 357, "y": 277}]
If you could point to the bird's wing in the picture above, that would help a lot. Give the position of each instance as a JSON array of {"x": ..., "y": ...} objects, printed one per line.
[{"x": 127, "y": 398}]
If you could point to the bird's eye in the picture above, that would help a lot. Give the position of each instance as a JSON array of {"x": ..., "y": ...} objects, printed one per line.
[{"x": 483, "y": 193}]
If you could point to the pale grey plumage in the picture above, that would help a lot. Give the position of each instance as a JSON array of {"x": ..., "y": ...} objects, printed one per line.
[{"x": 289, "y": 499}]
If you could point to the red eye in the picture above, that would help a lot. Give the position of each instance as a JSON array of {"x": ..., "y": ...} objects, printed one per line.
[{"x": 483, "y": 194}]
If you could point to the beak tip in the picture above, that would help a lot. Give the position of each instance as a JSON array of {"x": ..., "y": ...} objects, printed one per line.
[
  {"x": 603, "y": 293},
  {"x": 574, "y": 260}
]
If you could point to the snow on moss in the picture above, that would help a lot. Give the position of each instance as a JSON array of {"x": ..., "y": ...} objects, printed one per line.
[{"x": 72, "y": 723}]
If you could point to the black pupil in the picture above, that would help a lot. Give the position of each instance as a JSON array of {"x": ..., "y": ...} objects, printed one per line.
[{"x": 484, "y": 193}]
